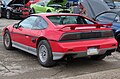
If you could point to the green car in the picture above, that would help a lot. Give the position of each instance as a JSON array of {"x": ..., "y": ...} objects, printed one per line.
[{"x": 50, "y": 6}]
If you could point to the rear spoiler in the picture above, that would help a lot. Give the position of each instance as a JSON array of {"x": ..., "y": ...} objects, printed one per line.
[{"x": 73, "y": 26}]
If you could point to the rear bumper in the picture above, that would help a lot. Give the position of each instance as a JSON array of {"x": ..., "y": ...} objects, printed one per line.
[
  {"x": 79, "y": 48},
  {"x": 59, "y": 55}
]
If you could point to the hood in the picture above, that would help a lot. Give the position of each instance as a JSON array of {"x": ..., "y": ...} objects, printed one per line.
[
  {"x": 94, "y": 7},
  {"x": 9, "y": 2},
  {"x": 61, "y": 2}
]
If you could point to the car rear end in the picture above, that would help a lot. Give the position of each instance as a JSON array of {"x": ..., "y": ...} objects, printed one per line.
[{"x": 84, "y": 42}]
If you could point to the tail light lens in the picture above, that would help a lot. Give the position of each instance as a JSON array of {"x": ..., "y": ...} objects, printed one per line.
[
  {"x": 107, "y": 34},
  {"x": 86, "y": 35},
  {"x": 68, "y": 37}
]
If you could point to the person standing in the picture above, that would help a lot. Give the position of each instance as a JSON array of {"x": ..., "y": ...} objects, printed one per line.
[
  {"x": 82, "y": 9},
  {"x": 76, "y": 9},
  {"x": 79, "y": 9}
]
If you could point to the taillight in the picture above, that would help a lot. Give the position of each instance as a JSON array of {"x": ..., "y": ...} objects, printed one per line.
[
  {"x": 67, "y": 37},
  {"x": 86, "y": 35},
  {"x": 107, "y": 34}
]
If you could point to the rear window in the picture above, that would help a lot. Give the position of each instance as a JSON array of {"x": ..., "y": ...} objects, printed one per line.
[{"x": 62, "y": 20}]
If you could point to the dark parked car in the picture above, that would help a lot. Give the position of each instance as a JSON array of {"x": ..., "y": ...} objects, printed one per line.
[
  {"x": 15, "y": 8},
  {"x": 114, "y": 18}
]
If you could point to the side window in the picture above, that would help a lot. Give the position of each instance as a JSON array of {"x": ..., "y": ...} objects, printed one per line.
[
  {"x": 28, "y": 22},
  {"x": 40, "y": 23},
  {"x": 41, "y": 3}
]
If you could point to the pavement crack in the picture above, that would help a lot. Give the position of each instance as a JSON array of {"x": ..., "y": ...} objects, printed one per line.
[
  {"x": 5, "y": 67},
  {"x": 57, "y": 72}
]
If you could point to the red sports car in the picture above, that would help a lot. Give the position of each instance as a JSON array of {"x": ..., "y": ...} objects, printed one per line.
[{"x": 54, "y": 36}]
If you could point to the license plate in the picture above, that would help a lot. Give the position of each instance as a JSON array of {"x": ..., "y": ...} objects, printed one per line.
[{"x": 92, "y": 51}]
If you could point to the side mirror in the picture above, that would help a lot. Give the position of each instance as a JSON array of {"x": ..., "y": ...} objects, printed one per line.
[{"x": 16, "y": 26}]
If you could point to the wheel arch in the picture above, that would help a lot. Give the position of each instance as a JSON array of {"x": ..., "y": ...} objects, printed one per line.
[
  {"x": 6, "y": 29},
  {"x": 48, "y": 10},
  {"x": 49, "y": 60},
  {"x": 39, "y": 39}
]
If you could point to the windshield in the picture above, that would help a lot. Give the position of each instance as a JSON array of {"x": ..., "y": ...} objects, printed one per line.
[{"x": 61, "y": 20}]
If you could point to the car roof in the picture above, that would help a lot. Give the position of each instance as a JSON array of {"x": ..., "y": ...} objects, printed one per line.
[{"x": 52, "y": 14}]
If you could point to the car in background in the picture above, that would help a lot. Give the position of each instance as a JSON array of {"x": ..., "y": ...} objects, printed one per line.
[
  {"x": 55, "y": 36},
  {"x": 15, "y": 9},
  {"x": 50, "y": 6},
  {"x": 41, "y": 7},
  {"x": 60, "y": 9},
  {"x": 114, "y": 18}
]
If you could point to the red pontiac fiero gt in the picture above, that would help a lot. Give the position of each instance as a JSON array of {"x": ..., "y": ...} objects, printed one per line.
[{"x": 54, "y": 36}]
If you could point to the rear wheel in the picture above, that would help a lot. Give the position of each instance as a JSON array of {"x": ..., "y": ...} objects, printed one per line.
[
  {"x": 44, "y": 54},
  {"x": 98, "y": 57},
  {"x": 8, "y": 14},
  {"x": 7, "y": 40}
]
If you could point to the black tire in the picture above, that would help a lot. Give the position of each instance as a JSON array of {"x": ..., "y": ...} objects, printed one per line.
[
  {"x": 8, "y": 14},
  {"x": 118, "y": 40},
  {"x": 7, "y": 40},
  {"x": 48, "y": 11},
  {"x": 98, "y": 57},
  {"x": 44, "y": 54}
]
